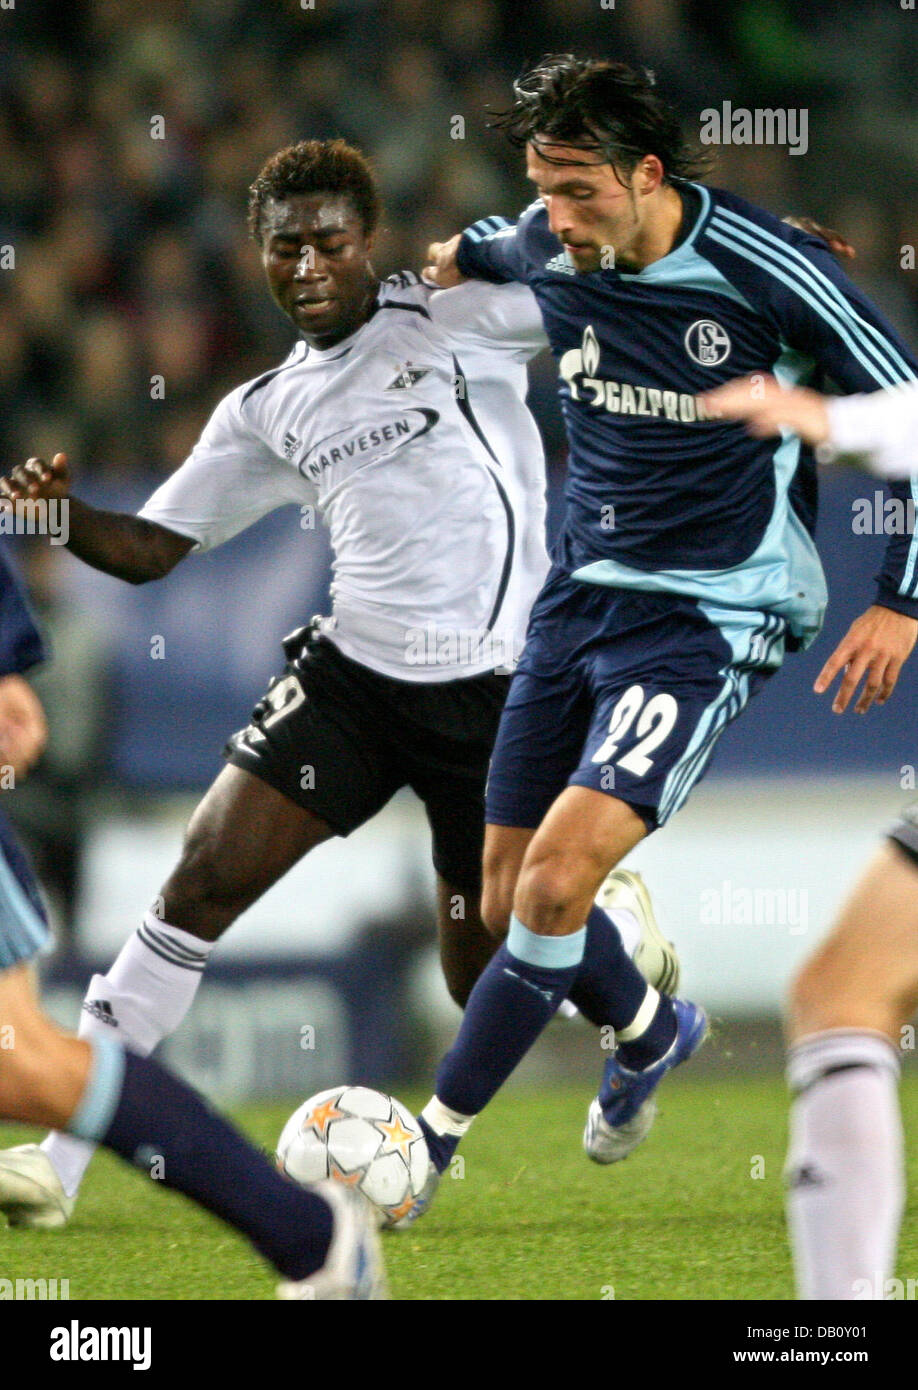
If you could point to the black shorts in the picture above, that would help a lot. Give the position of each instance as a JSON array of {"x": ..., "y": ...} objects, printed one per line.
[
  {"x": 340, "y": 740},
  {"x": 905, "y": 832}
]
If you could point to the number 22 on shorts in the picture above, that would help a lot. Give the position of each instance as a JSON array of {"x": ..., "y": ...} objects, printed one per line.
[{"x": 655, "y": 722}]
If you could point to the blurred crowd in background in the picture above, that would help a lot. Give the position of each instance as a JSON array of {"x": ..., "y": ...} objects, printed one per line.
[
  {"x": 132, "y": 263},
  {"x": 131, "y": 253}
]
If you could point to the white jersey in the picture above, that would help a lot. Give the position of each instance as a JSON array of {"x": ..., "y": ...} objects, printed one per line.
[
  {"x": 412, "y": 439},
  {"x": 881, "y": 426}
]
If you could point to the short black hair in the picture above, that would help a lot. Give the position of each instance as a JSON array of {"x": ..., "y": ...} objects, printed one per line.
[
  {"x": 317, "y": 166},
  {"x": 606, "y": 108}
]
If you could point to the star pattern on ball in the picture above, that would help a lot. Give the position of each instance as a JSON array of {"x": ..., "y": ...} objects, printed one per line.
[
  {"x": 403, "y": 1208},
  {"x": 341, "y": 1174},
  {"x": 396, "y": 1135},
  {"x": 321, "y": 1117}
]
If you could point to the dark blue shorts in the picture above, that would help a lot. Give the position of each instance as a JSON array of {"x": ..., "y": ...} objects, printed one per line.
[
  {"x": 625, "y": 692},
  {"x": 23, "y": 924}
]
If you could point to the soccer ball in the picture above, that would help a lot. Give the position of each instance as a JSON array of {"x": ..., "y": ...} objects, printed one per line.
[{"x": 364, "y": 1140}]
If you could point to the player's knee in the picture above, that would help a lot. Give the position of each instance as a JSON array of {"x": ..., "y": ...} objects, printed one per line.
[{"x": 547, "y": 889}]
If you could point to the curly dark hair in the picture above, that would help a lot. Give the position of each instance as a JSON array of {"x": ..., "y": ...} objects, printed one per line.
[
  {"x": 317, "y": 166},
  {"x": 606, "y": 108}
]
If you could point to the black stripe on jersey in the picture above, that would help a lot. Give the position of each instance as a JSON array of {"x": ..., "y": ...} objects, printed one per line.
[
  {"x": 412, "y": 308},
  {"x": 508, "y": 558},
  {"x": 465, "y": 406},
  {"x": 263, "y": 380}
]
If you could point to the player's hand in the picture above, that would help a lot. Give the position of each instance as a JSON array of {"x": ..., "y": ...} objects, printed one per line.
[
  {"x": 876, "y": 646},
  {"x": 834, "y": 240},
  {"x": 23, "y": 730},
  {"x": 441, "y": 268},
  {"x": 767, "y": 407},
  {"x": 36, "y": 479}
]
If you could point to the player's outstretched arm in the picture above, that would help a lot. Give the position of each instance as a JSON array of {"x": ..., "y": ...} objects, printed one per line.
[
  {"x": 768, "y": 407},
  {"x": 128, "y": 547}
]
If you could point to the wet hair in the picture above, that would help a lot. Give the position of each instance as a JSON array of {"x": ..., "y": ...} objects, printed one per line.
[
  {"x": 316, "y": 166},
  {"x": 606, "y": 108}
]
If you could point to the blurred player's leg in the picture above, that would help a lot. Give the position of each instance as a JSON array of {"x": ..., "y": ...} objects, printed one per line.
[
  {"x": 848, "y": 1007},
  {"x": 141, "y": 1112},
  {"x": 242, "y": 838}
]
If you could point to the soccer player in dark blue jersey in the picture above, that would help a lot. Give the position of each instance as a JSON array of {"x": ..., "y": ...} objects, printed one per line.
[
  {"x": 322, "y": 1242},
  {"x": 685, "y": 567}
]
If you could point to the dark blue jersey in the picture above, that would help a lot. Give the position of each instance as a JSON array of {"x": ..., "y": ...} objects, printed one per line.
[
  {"x": 20, "y": 641},
  {"x": 660, "y": 496}
]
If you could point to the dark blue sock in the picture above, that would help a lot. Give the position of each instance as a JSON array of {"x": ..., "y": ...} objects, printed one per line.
[
  {"x": 609, "y": 990},
  {"x": 158, "y": 1116},
  {"x": 515, "y": 997}
]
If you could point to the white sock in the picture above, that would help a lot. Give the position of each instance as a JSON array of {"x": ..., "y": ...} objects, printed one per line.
[
  {"x": 144, "y": 997},
  {"x": 444, "y": 1121},
  {"x": 845, "y": 1165},
  {"x": 629, "y": 928}
]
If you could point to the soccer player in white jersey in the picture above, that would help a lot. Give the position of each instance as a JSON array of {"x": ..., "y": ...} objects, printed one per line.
[
  {"x": 399, "y": 414},
  {"x": 851, "y": 1003}
]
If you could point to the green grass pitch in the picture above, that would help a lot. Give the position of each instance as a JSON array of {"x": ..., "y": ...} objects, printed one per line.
[{"x": 696, "y": 1213}]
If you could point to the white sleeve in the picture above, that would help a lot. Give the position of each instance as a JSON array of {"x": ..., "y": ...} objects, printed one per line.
[
  {"x": 228, "y": 482},
  {"x": 503, "y": 315},
  {"x": 882, "y": 427}
]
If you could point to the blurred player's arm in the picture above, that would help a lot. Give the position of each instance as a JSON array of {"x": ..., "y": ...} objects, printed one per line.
[
  {"x": 878, "y": 430},
  {"x": 122, "y": 545}
]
